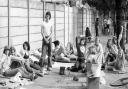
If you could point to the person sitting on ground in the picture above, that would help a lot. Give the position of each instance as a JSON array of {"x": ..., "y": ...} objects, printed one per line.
[
  {"x": 118, "y": 64},
  {"x": 16, "y": 59},
  {"x": 70, "y": 51},
  {"x": 37, "y": 53},
  {"x": 126, "y": 55},
  {"x": 81, "y": 52},
  {"x": 59, "y": 53},
  {"x": 111, "y": 52},
  {"x": 29, "y": 64},
  {"x": 7, "y": 71},
  {"x": 120, "y": 60},
  {"x": 88, "y": 34},
  {"x": 81, "y": 47},
  {"x": 95, "y": 56}
]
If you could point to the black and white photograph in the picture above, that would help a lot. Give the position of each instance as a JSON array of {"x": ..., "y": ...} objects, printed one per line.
[{"x": 63, "y": 44}]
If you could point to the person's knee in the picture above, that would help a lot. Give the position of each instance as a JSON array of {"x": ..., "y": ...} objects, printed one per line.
[{"x": 66, "y": 59}]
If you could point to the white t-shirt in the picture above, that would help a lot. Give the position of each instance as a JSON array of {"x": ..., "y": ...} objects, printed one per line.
[
  {"x": 109, "y": 21},
  {"x": 47, "y": 28},
  {"x": 5, "y": 62}
]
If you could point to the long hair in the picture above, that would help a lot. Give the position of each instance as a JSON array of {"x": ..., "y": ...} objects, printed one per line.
[
  {"x": 56, "y": 43},
  {"x": 12, "y": 48},
  {"x": 5, "y": 49},
  {"x": 27, "y": 44},
  {"x": 82, "y": 39},
  {"x": 114, "y": 40},
  {"x": 70, "y": 45}
]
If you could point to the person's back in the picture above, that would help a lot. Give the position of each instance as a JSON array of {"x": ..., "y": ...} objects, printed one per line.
[{"x": 97, "y": 26}]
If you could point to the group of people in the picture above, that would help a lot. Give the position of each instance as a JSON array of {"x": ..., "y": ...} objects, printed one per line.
[
  {"x": 108, "y": 26},
  {"x": 29, "y": 64},
  {"x": 92, "y": 58},
  {"x": 88, "y": 53},
  {"x": 12, "y": 63},
  {"x": 33, "y": 64},
  {"x": 114, "y": 55}
]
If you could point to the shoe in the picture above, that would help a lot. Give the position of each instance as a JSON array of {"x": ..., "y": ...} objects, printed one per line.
[
  {"x": 40, "y": 74},
  {"x": 49, "y": 68},
  {"x": 45, "y": 73}
]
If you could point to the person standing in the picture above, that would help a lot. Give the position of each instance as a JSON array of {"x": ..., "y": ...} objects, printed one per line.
[
  {"x": 46, "y": 32},
  {"x": 110, "y": 26},
  {"x": 97, "y": 26},
  {"x": 88, "y": 34}
]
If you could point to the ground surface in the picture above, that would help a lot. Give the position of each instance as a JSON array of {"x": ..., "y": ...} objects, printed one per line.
[{"x": 56, "y": 81}]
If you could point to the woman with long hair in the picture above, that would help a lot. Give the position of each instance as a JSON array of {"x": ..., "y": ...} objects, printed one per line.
[
  {"x": 111, "y": 51},
  {"x": 28, "y": 63}
]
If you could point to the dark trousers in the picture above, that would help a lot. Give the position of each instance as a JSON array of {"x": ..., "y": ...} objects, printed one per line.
[
  {"x": 46, "y": 49},
  {"x": 32, "y": 67},
  {"x": 35, "y": 66},
  {"x": 126, "y": 36},
  {"x": 28, "y": 66},
  {"x": 97, "y": 33}
]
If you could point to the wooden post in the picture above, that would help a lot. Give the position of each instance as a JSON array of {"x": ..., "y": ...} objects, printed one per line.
[
  {"x": 55, "y": 20},
  {"x": 8, "y": 22},
  {"x": 77, "y": 22},
  {"x": 28, "y": 7},
  {"x": 43, "y": 10},
  {"x": 82, "y": 21},
  {"x": 68, "y": 23},
  {"x": 64, "y": 25},
  {"x": 86, "y": 17}
]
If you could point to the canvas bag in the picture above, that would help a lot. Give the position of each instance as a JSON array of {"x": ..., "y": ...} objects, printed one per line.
[{"x": 93, "y": 69}]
